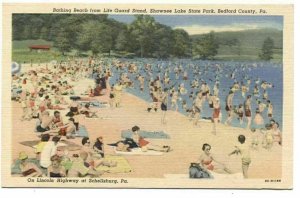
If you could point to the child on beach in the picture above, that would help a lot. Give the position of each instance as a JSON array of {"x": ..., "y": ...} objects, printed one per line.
[
  {"x": 243, "y": 150},
  {"x": 268, "y": 140},
  {"x": 255, "y": 139},
  {"x": 99, "y": 146},
  {"x": 56, "y": 169}
]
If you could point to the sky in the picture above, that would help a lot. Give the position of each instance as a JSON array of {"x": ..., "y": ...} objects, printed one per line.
[{"x": 203, "y": 24}]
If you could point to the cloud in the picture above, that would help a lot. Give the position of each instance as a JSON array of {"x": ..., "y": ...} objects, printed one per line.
[{"x": 202, "y": 29}]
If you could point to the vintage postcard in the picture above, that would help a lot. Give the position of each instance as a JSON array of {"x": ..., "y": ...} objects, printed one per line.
[{"x": 147, "y": 96}]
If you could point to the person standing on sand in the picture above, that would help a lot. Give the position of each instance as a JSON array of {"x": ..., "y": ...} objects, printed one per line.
[
  {"x": 118, "y": 94},
  {"x": 216, "y": 114},
  {"x": 244, "y": 151},
  {"x": 174, "y": 99},
  {"x": 164, "y": 105},
  {"x": 112, "y": 97},
  {"x": 197, "y": 106}
]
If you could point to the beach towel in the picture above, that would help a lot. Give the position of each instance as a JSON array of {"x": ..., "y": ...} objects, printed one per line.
[
  {"x": 98, "y": 118},
  {"x": 196, "y": 171},
  {"x": 138, "y": 151},
  {"x": 82, "y": 132},
  {"x": 15, "y": 168},
  {"x": 122, "y": 165},
  {"x": 95, "y": 104},
  {"x": 146, "y": 134},
  {"x": 70, "y": 145}
]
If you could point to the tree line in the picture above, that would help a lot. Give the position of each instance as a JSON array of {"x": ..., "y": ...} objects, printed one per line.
[{"x": 144, "y": 37}]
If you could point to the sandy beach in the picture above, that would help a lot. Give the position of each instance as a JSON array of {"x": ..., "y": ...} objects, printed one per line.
[{"x": 186, "y": 140}]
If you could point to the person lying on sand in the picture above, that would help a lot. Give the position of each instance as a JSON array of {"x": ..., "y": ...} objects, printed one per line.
[{"x": 144, "y": 144}]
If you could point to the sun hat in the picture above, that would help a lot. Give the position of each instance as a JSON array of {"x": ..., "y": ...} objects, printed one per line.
[{"x": 23, "y": 155}]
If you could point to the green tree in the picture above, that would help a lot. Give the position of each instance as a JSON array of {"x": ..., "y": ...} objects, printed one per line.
[
  {"x": 267, "y": 49},
  {"x": 182, "y": 43},
  {"x": 142, "y": 29},
  {"x": 162, "y": 41},
  {"x": 206, "y": 47},
  {"x": 44, "y": 33},
  {"x": 62, "y": 42},
  {"x": 96, "y": 37},
  {"x": 122, "y": 41}
]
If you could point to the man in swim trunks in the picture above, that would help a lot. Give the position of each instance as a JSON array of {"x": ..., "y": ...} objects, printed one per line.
[{"x": 228, "y": 107}]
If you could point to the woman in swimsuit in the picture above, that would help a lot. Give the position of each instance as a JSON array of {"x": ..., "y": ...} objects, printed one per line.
[
  {"x": 144, "y": 144},
  {"x": 208, "y": 162}
]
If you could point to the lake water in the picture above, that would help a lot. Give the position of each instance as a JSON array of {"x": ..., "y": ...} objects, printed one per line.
[{"x": 207, "y": 71}]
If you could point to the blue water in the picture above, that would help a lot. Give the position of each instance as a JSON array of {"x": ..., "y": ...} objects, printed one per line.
[{"x": 264, "y": 71}]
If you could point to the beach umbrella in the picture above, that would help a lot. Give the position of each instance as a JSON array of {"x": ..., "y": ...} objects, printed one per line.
[{"x": 15, "y": 68}]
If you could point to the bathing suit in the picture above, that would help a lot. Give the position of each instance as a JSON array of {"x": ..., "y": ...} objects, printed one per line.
[
  {"x": 216, "y": 113},
  {"x": 248, "y": 113},
  {"x": 143, "y": 142},
  {"x": 42, "y": 109},
  {"x": 63, "y": 131},
  {"x": 55, "y": 174},
  {"x": 208, "y": 164},
  {"x": 41, "y": 129},
  {"x": 163, "y": 107},
  {"x": 227, "y": 108},
  {"x": 74, "y": 110},
  {"x": 241, "y": 114}
]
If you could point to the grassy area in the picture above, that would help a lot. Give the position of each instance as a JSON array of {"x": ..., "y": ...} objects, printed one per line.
[{"x": 22, "y": 54}]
